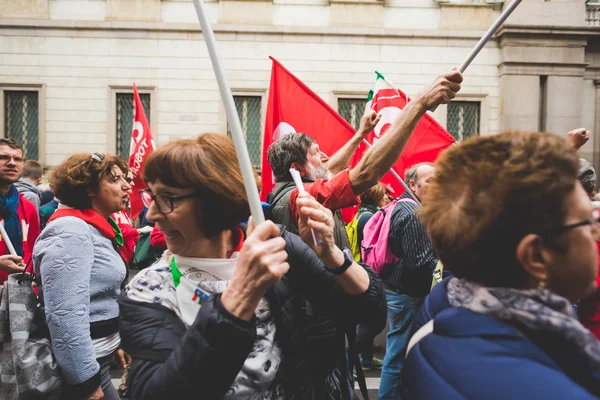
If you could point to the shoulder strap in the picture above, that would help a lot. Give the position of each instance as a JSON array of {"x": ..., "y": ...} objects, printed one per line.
[
  {"x": 419, "y": 334},
  {"x": 283, "y": 192},
  {"x": 355, "y": 363}
]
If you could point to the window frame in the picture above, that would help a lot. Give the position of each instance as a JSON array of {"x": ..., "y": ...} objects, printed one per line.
[
  {"x": 41, "y": 91},
  {"x": 349, "y": 96},
  {"x": 471, "y": 98},
  {"x": 111, "y": 134},
  {"x": 248, "y": 92}
]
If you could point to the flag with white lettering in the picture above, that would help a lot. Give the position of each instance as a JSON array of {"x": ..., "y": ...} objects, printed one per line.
[{"x": 142, "y": 145}]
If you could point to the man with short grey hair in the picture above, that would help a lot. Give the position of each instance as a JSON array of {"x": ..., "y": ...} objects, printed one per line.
[{"x": 408, "y": 280}]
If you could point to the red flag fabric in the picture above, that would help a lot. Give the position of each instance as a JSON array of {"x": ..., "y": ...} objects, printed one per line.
[
  {"x": 428, "y": 140},
  {"x": 142, "y": 144}
]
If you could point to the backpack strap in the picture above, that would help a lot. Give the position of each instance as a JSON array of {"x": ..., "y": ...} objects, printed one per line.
[
  {"x": 283, "y": 192},
  {"x": 423, "y": 331},
  {"x": 355, "y": 363}
]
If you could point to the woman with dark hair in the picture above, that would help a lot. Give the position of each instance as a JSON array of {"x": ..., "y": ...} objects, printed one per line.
[
  {"x": 508, "y": 217},
  {"x": 80, "y": 263},
  {"x": 220, "y": 314}
]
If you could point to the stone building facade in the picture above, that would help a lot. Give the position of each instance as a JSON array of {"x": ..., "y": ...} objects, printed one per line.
[{"x": 67, "y": 66}]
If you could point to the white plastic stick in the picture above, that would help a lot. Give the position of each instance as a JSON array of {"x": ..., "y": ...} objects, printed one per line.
[
  {"x": 395, "y": 174},
  {"x": 9, "y": 245},
  {"x": 232, "y": 117},
  {"x": 488, "y": 35},
  {"x": 298, "y": 181},
  {"x": 485, "y": 38}
]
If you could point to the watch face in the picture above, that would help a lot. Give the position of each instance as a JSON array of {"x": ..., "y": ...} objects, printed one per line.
[{"x": 348, "y": 253}]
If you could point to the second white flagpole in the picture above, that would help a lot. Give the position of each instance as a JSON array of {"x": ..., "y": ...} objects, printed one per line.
[{"x": 232, "y": 116}]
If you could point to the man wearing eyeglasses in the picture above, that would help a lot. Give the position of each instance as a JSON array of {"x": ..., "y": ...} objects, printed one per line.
[{"x": 18, "y": 215}]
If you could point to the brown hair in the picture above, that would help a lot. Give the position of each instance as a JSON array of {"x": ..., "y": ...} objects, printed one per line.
[
  {"x": 373, "y": 195},
  {"x": 32, "y": 169},
  {"x": 10, "y": 143},
  {"x": 79, "y": 174},
  {"x": 488, "y": 193},
  {"x": 209, "y": 165}
]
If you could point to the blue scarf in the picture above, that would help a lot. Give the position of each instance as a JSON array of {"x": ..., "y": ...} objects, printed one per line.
[{"x": 9, "y": 212}]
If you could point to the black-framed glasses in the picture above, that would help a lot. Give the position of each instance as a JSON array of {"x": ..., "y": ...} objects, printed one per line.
[
  {"x": 164, "y": 202},
  {"x": 595, "y": 220},
  {"x": 5, "y": 159}
]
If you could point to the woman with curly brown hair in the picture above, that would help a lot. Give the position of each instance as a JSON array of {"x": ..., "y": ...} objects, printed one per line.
[
  {"x": 508, "y": 217},
  {"x": 79, "y": 258}
]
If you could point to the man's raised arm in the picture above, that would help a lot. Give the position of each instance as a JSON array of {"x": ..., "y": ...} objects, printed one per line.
[{"x": 384, "y": 154}]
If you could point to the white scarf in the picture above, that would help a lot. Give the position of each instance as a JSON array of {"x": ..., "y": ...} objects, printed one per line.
[{"x": 200, "y": 278}]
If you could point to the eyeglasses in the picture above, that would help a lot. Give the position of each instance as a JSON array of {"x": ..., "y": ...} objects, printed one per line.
[
  {"x": 5, "y": 159},
  {"x": 595, "y": 220},
  {"x": 95, "y": 157},
  {"x": 164, "y": 203}
]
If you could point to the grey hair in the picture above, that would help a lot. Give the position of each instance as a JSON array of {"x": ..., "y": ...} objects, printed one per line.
[
  {"x": 411, "y": 174},
  {"x": 587, "y": 176},
  {"x": 288, "y": 149}
]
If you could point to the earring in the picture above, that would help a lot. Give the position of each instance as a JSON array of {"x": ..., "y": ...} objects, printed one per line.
[{"x": 542, "y": 283}]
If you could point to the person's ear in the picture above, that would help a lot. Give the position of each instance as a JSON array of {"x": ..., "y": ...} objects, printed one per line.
[
  {"x": 533, "y": 257},
  {"x": 412, "y": 185},
  {"x": 299, "y": 168}
]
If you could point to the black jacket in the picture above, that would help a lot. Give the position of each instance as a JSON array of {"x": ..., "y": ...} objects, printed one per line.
[{"x": 170, "y": 362}]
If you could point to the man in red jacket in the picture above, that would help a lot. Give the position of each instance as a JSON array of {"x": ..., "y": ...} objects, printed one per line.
[{"x": 17, "y": 214}]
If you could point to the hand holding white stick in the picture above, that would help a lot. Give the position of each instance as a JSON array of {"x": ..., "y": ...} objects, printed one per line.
[{"x": 298, "y": 181}]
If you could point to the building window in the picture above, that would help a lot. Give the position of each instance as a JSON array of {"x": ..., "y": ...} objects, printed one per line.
[
  {"x": 463, "y": 119},
  {"x": 352, "y": 110},
  {"x": 125, "y": 113},
  {"x": 249, "y": 112},
  {"x": 21, "y": 120}
]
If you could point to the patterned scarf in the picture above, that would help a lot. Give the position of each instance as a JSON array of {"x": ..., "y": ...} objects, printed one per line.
[
  {"x": 536, "y": 309},
  {"x": 9, "y": 211}
]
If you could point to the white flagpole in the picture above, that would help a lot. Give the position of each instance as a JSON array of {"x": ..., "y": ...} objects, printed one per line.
[
  {"x": 410, "y": 192},
  {"x": 488, "y": 35},
  {"x": 232, "y": 117},
  {"x": 485, "y": 38},
  {"x": 9, "y": 245}
]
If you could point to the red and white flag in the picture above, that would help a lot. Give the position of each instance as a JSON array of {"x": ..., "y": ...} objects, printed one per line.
[
  {"x": 428, "y": 140},
  {"x": 142, "y": 144}
]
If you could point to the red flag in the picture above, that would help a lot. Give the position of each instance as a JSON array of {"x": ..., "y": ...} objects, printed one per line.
[
  {"x": 142, "y": 144},
  {"x": 428, "y": 140}
]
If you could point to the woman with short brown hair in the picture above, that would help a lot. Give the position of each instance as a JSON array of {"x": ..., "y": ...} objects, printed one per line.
[
  {"x": 220, "y": 313},
  {"x": 508, "y": 217},
  {"x": 80, "y": 267}
]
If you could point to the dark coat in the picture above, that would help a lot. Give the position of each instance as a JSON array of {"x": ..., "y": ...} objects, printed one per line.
[
  {"x": 170, "y": 361},
  {"x": 474, "y": 356}
]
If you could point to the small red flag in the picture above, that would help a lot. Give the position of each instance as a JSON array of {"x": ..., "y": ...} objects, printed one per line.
[{"x": 142, "y": 144}]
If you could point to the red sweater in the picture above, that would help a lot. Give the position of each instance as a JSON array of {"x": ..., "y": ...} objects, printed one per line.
[{"x": 30, "y": 225}]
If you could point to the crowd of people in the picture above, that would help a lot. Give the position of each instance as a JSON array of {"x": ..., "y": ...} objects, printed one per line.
[{"x": 225, "y": 308}]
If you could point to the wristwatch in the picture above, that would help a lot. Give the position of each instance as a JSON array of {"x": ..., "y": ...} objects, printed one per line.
[{"x": 348, "y": 261}]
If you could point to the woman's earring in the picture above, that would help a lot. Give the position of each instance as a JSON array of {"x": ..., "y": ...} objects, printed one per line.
[{"x": 542, "y": 283}]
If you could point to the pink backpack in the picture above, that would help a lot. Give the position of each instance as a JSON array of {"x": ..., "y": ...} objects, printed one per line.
[{"x": 374, "y": 247}]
